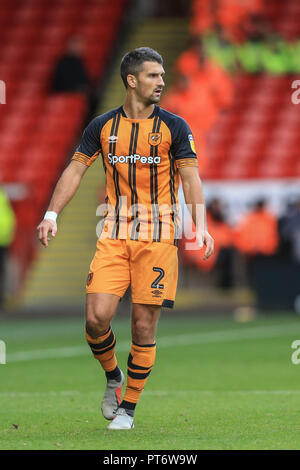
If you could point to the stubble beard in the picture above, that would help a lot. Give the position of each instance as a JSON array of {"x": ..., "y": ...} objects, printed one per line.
[{"x": 154, "y": 99}]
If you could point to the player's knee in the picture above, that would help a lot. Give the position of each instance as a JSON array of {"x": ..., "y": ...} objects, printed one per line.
[
  {"x": 142, "y": 330},
  {"x": 97, "y": 321},
  {"x": 144, "y": 321}
]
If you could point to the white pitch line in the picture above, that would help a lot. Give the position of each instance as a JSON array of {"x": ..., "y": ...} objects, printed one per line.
[
  {"x": 224, "y": 336},
  {"x": 151, "y": 392},
  {"x": 216, "y": 392}
]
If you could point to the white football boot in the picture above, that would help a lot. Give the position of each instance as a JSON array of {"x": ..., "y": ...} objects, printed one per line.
[
  {"x": 121, "y": 421},
  {"x": 112, "y": 397}
]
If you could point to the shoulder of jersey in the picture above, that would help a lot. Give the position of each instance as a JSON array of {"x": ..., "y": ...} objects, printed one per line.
[
  {"x": 170, "y": 118},
  {"x": 103, "y": 118}
]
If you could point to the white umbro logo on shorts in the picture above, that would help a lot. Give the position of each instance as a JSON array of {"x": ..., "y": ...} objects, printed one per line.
[{"x": 112, "y": 139}]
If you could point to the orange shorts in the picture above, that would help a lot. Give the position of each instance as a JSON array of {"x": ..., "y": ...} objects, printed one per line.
[{"x": 151, "y": 268}]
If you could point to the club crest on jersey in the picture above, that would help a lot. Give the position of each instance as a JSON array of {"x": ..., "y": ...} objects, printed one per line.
[
  {"x": 89, "y": 278},
  {"x": 154, "y": 138},
  {"x": 192, "y": 143}
]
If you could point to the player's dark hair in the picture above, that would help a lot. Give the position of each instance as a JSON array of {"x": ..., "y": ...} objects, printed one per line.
[{"x": 132, "y": 61}]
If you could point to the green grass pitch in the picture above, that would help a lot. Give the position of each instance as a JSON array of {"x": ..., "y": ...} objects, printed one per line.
[{"x": 216, "y": 384}]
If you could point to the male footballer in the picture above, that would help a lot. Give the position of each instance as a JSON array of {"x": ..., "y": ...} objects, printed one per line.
[{"x": 144, "y": 150}]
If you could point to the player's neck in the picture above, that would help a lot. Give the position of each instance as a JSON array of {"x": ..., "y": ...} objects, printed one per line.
[{"x": 137, "y": 110}]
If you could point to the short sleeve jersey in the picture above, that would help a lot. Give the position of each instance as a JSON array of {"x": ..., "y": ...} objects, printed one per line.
[{"x": 141, "y": 158}]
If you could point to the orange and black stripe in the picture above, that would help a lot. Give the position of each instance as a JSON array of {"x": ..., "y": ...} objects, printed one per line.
[
  {"x": 132, "y": 179},
  {"x": 103, "y": 349},
  {"x": 154, "y": 184},
  {"x": 112, "y": 150},
  {"x": 139, "y": 365},
  {"x": 135, "y": 371},
  {"x": 173, "y": 198},
  {"x": 103, "y": 346}
]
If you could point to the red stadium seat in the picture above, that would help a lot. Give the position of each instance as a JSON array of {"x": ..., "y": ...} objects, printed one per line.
[{"x": 37, "y": 131}]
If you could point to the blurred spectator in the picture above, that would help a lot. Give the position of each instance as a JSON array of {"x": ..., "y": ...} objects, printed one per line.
[
  {"x": 177, "y": 94},
  {"x": 183, "y": 101},
  {"x": 230, "y": 15},
  {"x": 256, "y": 236},
  {"x": 290, "y": 231},
  {"x": 223, "y": 254},
  {"x": 220, "y": 50},
  {"x": 202, "y": 90},
  {"x": 222, "y": 259},
  {"x": 275, "y": 57},
  {"x": 204, "y": 73},
  {"x": 223, "y": 237},
  {"x": 7, "y": 224},
  {"x": 203, "y": 16},
  {"x": 257, "y": 27},
  {"x": 257, "y": 233},
  {"x": 233, "y": 14},
  {"x": 70, "y": 73}
]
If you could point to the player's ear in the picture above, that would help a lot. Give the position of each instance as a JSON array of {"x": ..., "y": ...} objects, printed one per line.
[{"x": 131, "y": 80}]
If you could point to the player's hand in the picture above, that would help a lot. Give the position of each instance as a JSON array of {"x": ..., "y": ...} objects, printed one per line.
[
  {"x": 45, "y": 227},
  {"x": 204, "y": 238}
]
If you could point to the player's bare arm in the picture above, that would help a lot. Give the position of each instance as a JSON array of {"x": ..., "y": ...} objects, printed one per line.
[
  {"x": 65, "y": 189},
  {"x": 194, "y": 198}
]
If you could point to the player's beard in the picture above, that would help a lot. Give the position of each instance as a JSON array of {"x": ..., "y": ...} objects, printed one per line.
[{"x": 153, "y": 99}]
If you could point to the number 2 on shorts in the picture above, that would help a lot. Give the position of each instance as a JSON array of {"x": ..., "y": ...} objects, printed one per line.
[{"x": 155, "y": 284}]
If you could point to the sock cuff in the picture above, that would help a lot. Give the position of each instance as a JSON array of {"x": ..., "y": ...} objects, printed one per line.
[
  {"x": 100, "y": 339},
  {"x": 113, "y": 374},
  {"x": 129, "y": 407},
  {"x": 141, "y": 360},
  {"x": 142, "y": 347}
]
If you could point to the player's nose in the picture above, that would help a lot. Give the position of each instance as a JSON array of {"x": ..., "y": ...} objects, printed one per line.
[{"x": 161, "y": 82}]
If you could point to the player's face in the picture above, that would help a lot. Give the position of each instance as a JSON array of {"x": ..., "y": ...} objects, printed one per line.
[{"x": 149, "y": 82}]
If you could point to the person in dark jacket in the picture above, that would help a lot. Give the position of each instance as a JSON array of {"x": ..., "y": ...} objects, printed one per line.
[{"x": 70, "y": 73}]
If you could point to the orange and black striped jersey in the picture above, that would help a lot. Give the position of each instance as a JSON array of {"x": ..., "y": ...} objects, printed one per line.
[{"x": 141, "y": 158}]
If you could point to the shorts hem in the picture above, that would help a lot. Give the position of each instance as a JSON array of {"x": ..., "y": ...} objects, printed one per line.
[
  {"x": 168, "y": 303},
  {"x": 88, "y": 291},
  {"x": 163, "y": 303}
]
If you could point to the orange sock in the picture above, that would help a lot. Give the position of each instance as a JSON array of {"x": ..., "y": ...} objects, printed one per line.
[
  {"x": 140, "y": 362},
  {"x": 103, "y": 349}
]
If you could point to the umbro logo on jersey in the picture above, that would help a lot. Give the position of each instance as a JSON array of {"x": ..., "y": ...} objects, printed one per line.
[
  {"x": 156, "y": 293},
  {"x": 112, "y": 139},
  {"x": 113, "y": 159}
]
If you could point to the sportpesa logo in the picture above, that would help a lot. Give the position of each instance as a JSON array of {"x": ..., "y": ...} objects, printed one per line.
[{"x": 113, "y": 159}]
